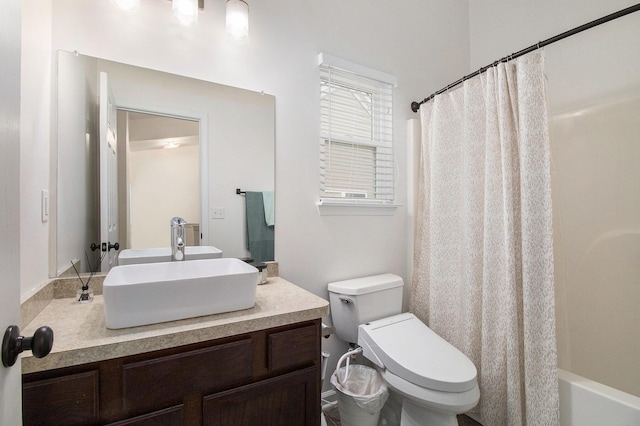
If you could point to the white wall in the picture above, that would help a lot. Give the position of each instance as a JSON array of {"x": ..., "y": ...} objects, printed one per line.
[
  {"x": 35, "y": 131},
  {"x": 423, "y": 42}
]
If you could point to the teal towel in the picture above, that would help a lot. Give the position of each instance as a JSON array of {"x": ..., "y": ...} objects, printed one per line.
[
  {"x": 269, "y": 207},
  {"x": 259, "y": 235}
]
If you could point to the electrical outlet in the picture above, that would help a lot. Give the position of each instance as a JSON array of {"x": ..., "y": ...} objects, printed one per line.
[{"x": 217, "y": 213}]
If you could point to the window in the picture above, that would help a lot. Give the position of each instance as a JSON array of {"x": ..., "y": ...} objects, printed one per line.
[{"x": 356, "y": 132}]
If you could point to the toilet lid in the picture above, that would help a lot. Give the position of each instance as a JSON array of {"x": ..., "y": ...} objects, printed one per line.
[{"x": 412, "y": 351}]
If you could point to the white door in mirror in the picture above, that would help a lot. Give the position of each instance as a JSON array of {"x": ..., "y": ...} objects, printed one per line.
[{"x": 108, "y": 174}]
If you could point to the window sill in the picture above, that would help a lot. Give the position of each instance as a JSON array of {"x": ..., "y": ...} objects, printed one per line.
[{"x": 329, "y": 207}]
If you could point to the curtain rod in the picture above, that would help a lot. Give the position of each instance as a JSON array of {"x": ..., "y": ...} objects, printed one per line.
[{"x": 415, "y": 106}]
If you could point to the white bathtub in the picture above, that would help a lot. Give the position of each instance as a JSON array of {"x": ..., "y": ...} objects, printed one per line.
[{"x": 584, "y": 402}]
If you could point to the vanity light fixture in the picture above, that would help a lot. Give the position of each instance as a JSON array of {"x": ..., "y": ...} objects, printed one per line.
[
  {"x": 237, "y": 19},
  {"x": 185, "y": 11},
  {"x": 127, "y": 4}
]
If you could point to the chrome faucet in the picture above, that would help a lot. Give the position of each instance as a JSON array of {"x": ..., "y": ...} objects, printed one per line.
[{"x": 177, "y": 238}]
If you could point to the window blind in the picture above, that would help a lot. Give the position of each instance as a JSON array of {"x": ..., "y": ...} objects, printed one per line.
[{"x": 356, "y": 136}]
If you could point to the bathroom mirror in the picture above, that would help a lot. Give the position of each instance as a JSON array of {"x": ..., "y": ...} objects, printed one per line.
[{"x": 233, "y": 146}]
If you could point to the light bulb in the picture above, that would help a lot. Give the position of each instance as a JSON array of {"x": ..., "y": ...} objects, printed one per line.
[
  {"x": 238, "y": 19},
  {"x": 185, "y": 11}
]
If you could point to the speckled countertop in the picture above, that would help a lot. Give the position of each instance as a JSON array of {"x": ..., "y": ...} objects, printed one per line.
[{"x": 81, "y": 336}]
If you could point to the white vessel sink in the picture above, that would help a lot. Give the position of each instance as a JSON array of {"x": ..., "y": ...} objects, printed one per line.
[
  {"x": 150, "y": 293},
  {"x": 163, "y": 254}
]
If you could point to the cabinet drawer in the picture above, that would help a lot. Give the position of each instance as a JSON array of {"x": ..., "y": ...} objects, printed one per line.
[
  {"x": 73, "y": 398},
  {"x": 165, "y": 380},
  {"x": 293, "y": 347}
]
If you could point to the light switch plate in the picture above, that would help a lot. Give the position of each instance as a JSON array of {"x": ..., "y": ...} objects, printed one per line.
[{"x": 217, "y": 213}]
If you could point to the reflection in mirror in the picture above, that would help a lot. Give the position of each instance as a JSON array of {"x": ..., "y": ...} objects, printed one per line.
[
  {"x": 161, "y": 155},
  {"x": 231, "y": 130}
]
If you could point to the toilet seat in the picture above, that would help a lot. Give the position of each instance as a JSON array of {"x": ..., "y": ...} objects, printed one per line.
[
  {"x": 457, "y": 402},
  {"x": 412, "y": 352}
]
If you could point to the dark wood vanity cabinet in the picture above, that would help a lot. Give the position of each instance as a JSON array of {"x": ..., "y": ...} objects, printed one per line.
[{"x": 268, "y": 377}]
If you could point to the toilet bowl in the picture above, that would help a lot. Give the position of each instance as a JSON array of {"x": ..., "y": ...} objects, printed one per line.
[{"x": 434, "y": 380}]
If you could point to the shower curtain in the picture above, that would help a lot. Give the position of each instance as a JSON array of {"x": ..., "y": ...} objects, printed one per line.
[{"x": 483, "y": 261}]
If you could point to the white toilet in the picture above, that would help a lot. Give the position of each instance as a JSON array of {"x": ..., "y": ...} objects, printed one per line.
[{"x": 434, "y": 379}]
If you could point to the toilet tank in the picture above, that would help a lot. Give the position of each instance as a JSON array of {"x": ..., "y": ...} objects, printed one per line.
[{"x": 360, "y": 300}]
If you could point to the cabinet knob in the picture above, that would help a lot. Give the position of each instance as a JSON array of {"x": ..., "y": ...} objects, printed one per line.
[{"x": 13, "y": 344}]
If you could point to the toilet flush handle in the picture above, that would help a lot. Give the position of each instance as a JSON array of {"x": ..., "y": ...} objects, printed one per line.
[{"x": 345, "y": 300}]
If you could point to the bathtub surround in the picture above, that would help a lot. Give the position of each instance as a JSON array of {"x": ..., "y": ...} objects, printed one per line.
[
  {"x": 596, "y": 199},
  {"x": 483, "y": 269}
]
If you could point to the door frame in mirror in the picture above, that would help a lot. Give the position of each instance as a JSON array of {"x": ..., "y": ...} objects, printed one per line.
[{"x": 203, "y": 138}]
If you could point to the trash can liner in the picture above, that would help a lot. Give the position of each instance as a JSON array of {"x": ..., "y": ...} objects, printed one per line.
[{"x": 364, "y": 384}]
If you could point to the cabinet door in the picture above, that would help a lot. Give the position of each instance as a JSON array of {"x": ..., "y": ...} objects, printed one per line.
[
  {"x": 291, "y": 399},
  {"x": 70, "y": 400}
]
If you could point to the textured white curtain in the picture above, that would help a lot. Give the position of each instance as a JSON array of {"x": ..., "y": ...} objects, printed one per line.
[{"x": 483, "y": 272}]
